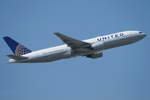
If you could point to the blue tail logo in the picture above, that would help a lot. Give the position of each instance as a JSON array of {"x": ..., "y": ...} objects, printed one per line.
[{"x": 16, "y": 48}]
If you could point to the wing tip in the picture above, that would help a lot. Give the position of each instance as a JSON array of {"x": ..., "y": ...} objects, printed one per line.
[{"x": 57, "y": 33}]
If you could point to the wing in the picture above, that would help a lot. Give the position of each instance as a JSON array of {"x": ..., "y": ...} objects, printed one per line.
[
  {"x": 73, "y": 43},
  {"x": 17, "y": 57}
]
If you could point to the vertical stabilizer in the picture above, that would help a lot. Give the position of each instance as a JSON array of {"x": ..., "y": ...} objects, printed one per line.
[{"x": 16, "y": 47}]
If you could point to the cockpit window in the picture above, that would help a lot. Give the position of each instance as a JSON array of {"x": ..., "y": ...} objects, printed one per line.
[{"x": 140, "y": 32}]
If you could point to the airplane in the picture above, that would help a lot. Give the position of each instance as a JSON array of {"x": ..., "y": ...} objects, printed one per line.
[{"x": 91, "y": 48}]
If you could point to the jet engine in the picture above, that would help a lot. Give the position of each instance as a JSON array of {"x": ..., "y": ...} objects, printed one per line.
[{"x": 95, "y": 55}]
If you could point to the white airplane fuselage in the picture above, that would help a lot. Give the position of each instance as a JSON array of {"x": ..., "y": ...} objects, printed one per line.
[{"x": 98, "y": 44}]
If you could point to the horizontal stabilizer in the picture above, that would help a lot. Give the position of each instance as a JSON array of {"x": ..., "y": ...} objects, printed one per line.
[{"x": 17, "y": 57}]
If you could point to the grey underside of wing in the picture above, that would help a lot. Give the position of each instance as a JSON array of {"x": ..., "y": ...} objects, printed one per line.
[{"x": 73, "y": 43}]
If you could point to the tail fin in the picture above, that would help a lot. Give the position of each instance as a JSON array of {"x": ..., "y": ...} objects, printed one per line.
[{"x": 16, "y": 48}]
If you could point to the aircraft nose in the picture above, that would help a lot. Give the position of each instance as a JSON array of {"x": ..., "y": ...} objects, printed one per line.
[{"x": 142, "y": 34}]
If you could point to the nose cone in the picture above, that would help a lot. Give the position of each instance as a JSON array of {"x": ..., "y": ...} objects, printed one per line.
[{"x": 142, "y": 34}]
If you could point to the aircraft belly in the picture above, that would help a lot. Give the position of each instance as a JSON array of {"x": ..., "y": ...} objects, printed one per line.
[{"x": 50, "y": 57}]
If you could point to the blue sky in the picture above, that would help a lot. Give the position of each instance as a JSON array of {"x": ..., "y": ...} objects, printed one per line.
[{"x": 122, "y": 74}]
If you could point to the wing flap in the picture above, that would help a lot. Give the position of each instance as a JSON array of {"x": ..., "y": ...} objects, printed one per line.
[{"x": 17, "y": 57}]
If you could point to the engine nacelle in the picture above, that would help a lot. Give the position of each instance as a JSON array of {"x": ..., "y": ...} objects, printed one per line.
[
  {"x": 98, "y": 46},
  {"x": 95, "y": 55}
]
